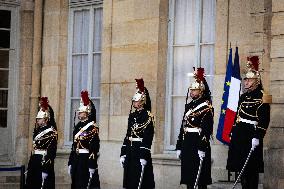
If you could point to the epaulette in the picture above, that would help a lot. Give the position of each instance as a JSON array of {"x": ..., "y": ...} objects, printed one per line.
[
  {"x": 266, "y": 98},
  {"x": 96, "y": 125},
  {"x": 152, "y": 117},
  {"x": 150, "y": 114}
]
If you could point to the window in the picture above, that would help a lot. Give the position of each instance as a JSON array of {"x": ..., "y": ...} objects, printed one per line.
[
  {"x": 5, "y": 29},
  {"x": 191, "y": 44},
  {"x": 84, "y": 60},
  {"x": 9, "y": 68}
]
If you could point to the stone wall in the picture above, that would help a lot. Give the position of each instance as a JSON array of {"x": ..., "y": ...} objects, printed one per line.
[
  {"x": 22, "y": 131},
  {"x": 274, "y": 156}
]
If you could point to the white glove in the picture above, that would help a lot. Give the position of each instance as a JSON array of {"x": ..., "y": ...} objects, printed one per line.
[
  {"x": 143, "y": 162},
  {"x": 178, "y": 154},
  {"x": 121, "y": 160},
  {"x": 91, "y": 171},
  {"x": 44, "y": 175},
  {"x": 201, "y": 154},
  {"x": 254, "y": 143},
  {"x": 69, "y": 170}
]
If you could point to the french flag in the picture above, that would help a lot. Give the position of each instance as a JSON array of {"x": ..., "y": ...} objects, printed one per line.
[{"x": 230, "y": 99}]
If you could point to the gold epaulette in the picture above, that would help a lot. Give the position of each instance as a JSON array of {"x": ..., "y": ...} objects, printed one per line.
[
  {"x": 150, "y": 114},
  {"x": 266, "y": 98},
  {"x": 96, "y": 125},
  {"x": 152, "y": 117}
]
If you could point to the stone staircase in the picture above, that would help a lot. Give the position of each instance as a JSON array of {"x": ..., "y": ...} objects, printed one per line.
[{"x": 11, "y": 180}]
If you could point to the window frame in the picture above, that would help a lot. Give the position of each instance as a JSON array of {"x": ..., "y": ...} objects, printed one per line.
[
  {"x": 91, "y": 53},
  {"x": 13, "y": 77},
  {"x": 170, "y": 64}
]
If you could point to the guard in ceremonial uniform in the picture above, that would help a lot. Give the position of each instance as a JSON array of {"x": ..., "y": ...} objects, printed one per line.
[
  {"x": 135, "y": 154},
  {"x": 252, "y": 120},
  {"x": 82, "y": 165},
  {"x": 193, "y": 140},
  {"x": 40, "y": 173}
]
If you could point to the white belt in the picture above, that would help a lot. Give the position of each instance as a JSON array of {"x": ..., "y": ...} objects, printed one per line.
[
  {"x": 248, "y": 121},
  {"x": 135, "y": 139},
  {"x": 192, "y": 130},
  {"x": 40, "y": 152},
  {"x": 83, "y": 151}
]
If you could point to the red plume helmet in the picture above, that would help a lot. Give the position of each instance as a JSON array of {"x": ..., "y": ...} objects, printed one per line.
[
  {"x": 44, "y": 103},
  {"x": 85, "y": 97},
  {"x": 140, "y": 84},
  {"x": 252, "y": 68},
  {"x": 199, "y": 79},
  {"x": 200, "y": 74},
  {"x": 253, "y": 62},
  {"x": 43, "y": 111}
]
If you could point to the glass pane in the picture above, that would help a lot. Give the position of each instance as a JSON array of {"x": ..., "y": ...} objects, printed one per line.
[
  {"x": 98, "y": 14},
  {"x": 177, "y": 113},
  {"x": 4, "y": 59},
  {"x": 79, "y": 74},
  {"x": 4, "y": 78},
  {"x": 4, "y": 39},
  {"x": 183, "y": 64},
  {"x": 184, "y": 22},
  {"x": 3, "y": 118},
  {"x": 3, "y": 98},
  {"x": 207, "y": 61},
  {"x": 73, "y": 117},
  {"x": 96, "y": 80},
  {"x": 5, "y": 19},
  {"x": 208, "y": 21},
  {"x": 81, "y": 31}
]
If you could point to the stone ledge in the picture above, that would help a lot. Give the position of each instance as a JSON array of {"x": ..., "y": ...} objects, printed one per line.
[{"x": 165, "y": 159}]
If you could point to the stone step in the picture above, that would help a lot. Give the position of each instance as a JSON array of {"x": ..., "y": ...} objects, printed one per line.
[
  {"x": 217, "y": 185},
  {"x": 9, "y": 185}
]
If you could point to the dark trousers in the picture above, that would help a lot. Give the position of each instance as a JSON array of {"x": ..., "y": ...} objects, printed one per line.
[
  {"x": 250, "y": 180},
  {"x": 199, "y": 187}
]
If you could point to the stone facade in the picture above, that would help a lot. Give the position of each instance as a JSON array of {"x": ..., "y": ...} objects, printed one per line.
[{"x": 135, "y": 45}]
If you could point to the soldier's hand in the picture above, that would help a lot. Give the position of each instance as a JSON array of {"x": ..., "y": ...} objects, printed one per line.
[
  {"x": 91, "y": 171},
  {"x": 254, "y": 143},
  {"x": 69, "y": 170},
  {"x": 178, "y": 154},
  {"x": 201, "y": 154},
  {"x": 121, "y": 160},
  {"x": 44, "y": 175},
  {"x": 143, "y": 162}
]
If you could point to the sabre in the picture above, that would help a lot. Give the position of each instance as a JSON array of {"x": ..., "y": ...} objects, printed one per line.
[
  {"x": 42, "y": 183},
  {"x": 89, "y": 183},
  {"x": 198, "y": 173},
  {"x": 141, "y": 177},
  {"x": 251, "y": 150}
]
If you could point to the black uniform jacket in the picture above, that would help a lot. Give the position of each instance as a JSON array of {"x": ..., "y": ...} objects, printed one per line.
[
  {"x": 137, "y": 145},
  {"x": 198, "y": 114},
  {"x": 251, "y": 121},
  {"x": 85, "y": 137}
]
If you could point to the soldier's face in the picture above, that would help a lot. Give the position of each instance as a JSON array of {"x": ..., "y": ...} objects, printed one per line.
[
  {"x": 249, "y": 83},
  {"x": 82, "y": 116},
  {"x": 137, "y": 104},
  {"x": 41, "y": 122},
  {"x": 195, "y": 93}
]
